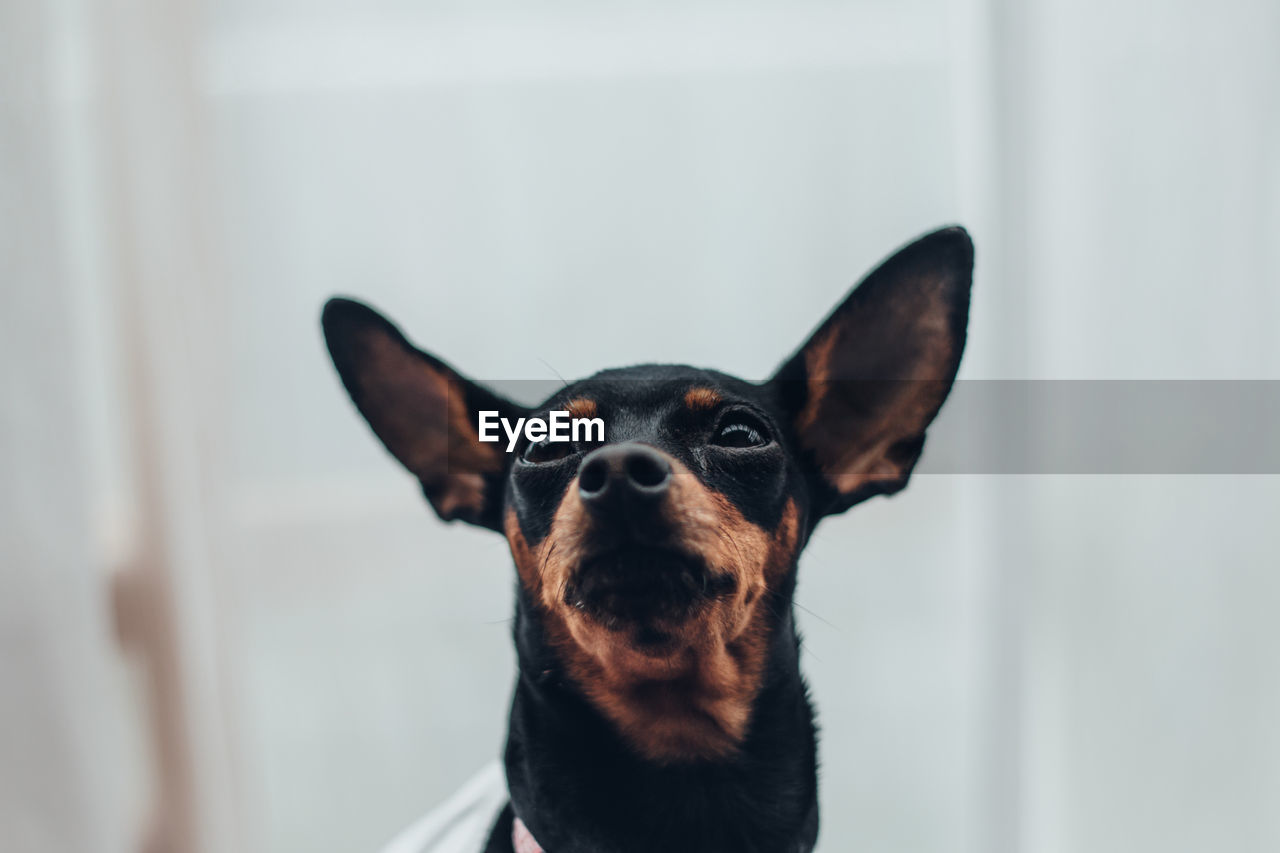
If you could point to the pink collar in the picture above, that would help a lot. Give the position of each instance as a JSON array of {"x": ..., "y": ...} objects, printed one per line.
[{"x": 522, "y": 840}]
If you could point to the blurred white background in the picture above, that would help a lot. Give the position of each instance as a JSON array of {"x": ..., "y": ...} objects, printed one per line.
[{"x": 229, "y": 623}]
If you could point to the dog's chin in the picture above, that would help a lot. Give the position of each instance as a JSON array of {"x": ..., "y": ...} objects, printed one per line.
[{"x": 649, "y": 594}]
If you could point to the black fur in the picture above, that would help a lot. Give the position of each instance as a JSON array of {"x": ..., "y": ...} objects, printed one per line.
[{"x": 574, "y": 780}]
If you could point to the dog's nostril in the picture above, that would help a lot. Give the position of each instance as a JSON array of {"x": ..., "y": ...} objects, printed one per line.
[
  {"x": 594, "y": 476},
  {"x": 647, "y": 470},
  {"x": 616, "y": 474}
]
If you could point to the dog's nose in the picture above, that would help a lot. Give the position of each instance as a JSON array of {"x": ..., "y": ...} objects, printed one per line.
[{"x": 623, "y": 473}]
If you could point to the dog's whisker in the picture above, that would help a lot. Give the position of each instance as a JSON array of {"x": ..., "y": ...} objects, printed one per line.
[
  {"x": 805, "y": 650},
  {"x": 564, "y": 383},
  {"x": 815, "y": 615}
]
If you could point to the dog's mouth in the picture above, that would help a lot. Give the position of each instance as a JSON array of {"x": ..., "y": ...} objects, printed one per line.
[{"x": 647, "y": 591}]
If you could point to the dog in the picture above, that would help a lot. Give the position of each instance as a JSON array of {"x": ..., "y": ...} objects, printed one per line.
[{"x": 659, "y": 703}]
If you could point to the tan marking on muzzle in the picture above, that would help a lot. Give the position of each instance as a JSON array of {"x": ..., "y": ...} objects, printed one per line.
[{"x": 694, "y": 700}]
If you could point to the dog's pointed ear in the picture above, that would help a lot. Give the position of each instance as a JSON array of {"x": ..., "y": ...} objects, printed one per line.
[
  {"x": 422, "y": 410},
  {"x": 862, "y": 391}
]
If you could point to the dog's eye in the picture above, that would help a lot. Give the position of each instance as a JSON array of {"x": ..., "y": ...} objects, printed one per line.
[
  {"x": 547, "y": 451},
  {"x": 740, "y": 433}
]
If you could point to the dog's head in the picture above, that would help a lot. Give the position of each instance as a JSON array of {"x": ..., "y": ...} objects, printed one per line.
[{"x": 658, "y": 562}]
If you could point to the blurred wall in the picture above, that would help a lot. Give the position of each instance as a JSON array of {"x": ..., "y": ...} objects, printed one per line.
[
  {"x": 1000, "y": 663},
  {"x": 56, "y": 646}
]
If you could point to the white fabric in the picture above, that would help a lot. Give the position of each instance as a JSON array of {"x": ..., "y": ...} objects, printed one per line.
[{"x": 461, "y": 823}]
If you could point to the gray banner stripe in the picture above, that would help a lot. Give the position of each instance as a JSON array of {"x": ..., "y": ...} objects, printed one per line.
[{"x": 1083, "y": 426}]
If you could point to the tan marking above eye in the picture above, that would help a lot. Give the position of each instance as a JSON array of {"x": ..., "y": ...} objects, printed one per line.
[
  {"x": 581, "y": 407},
  {"x": 702, "y": 399}
]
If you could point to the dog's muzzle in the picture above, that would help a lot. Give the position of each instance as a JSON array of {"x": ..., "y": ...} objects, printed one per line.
[{"x": 635, "y": 572}]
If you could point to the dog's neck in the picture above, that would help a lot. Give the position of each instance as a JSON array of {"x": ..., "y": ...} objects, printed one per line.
[{"x": 580, "y": 787}]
